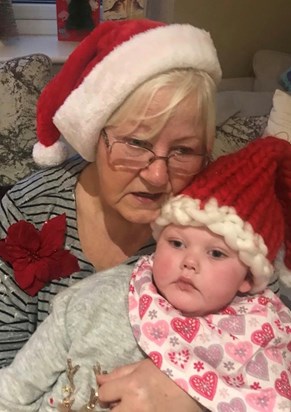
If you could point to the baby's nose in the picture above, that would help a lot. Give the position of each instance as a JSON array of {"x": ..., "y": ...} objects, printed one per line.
[{"x": 191, "y": 265}]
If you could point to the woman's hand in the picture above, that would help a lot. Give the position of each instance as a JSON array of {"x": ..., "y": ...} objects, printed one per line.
[{"x": 142, "y": 387}]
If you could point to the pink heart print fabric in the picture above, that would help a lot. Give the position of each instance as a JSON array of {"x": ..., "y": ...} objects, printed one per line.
[{"x": 236, "y": 360}]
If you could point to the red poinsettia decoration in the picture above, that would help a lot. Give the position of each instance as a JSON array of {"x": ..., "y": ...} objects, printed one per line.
[{"x": 38, "y": 256}]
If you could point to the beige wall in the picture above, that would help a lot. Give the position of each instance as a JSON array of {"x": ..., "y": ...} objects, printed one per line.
[{"x": 239, "y": 28}]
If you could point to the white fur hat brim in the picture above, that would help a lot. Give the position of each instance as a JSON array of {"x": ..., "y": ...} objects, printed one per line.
[{"x": 85, "y": 111}]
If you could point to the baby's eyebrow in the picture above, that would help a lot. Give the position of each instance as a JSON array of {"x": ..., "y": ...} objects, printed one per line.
[{"x": 220, "y": 245}]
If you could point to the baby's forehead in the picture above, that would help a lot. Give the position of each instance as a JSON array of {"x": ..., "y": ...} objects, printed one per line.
[
  {"x": 197, "y": 235},
  {"x": 192, "y": 230}
]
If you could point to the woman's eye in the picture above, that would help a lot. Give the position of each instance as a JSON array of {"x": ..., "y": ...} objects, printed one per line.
[
  {"x": 136, "y": 142},
  {"x": 183, "y": 150},
  {"x": 177, "y": 244},
  {"x": 217, "y": 254}
]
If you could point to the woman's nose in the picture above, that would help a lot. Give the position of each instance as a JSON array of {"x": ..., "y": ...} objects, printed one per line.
[{"x": 156, "y": 173}]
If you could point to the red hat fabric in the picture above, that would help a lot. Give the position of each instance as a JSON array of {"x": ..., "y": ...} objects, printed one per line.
[
  {"x": 111, "y": 62},
  {"x": 246, "y": 198}
]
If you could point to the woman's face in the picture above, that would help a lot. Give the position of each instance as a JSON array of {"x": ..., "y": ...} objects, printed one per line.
[{"x": 138, "y": 195}]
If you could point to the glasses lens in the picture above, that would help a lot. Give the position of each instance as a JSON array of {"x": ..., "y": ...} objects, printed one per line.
[
  {"x": 186, "y": 164},
  {"x": 128, "y": 156}
]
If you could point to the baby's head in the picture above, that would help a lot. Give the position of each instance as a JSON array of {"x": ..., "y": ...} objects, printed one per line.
[
  {"x": 196, "y": 271},
  {"x": 244, "y": 197}
]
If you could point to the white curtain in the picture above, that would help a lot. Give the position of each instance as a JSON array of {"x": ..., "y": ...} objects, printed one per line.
[{"x": 7, "y": 22}]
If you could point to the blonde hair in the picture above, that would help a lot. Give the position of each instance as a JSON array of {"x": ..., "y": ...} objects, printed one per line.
[{"x": 181, "y": 83}]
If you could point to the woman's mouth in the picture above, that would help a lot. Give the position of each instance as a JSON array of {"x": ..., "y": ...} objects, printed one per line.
[{"x": 148, "y": 197}]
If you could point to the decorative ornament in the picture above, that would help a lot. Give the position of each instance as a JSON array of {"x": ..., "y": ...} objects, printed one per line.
[
  {"x": 38, "y": 256},
  {"x": 69, "y": 389},
  {"x": 80, "y": 16}
]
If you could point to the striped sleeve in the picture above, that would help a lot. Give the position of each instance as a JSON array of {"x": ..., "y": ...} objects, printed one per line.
[
  {"x": 36, "y": 199},
  {"x": 40, "y": 197},
  {"x": 14, "y": 318}
]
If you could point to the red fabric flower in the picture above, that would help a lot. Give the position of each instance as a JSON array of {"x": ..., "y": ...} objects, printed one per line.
[{"x": 38, "y": 256}]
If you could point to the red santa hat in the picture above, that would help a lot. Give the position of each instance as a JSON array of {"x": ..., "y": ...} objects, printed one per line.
[
  {"x": 110, "y": 63},
  {"x": 246, "y": 198}
]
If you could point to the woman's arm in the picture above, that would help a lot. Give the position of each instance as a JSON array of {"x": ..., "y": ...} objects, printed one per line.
[
  {"x": 142, "y": 387},
  {"x": 16, "y": 325}
]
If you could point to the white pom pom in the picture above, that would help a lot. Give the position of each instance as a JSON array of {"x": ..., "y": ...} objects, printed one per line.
[{"x": 52, "y": 155}]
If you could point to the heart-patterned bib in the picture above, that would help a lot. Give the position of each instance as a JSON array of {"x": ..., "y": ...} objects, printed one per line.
[{"x": 236, "y": 360}]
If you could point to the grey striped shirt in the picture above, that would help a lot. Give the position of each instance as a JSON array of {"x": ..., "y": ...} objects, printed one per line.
[{"x": 45, "y": 194}]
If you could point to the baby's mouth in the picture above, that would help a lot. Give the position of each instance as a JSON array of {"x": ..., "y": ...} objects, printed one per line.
[{"x": 185, "y": 285}]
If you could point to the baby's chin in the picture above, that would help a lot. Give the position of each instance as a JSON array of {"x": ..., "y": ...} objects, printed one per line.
[{"x": 184, "y": 303}]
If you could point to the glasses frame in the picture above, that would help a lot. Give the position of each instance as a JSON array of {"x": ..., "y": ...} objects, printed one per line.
[{"x": 155, "y": 157}]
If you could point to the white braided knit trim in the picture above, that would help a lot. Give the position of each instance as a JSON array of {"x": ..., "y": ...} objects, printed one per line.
[{"x": 223, "y": 221}]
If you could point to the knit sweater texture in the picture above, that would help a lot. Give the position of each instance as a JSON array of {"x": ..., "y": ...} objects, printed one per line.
[{"x": 88, "y": 324}]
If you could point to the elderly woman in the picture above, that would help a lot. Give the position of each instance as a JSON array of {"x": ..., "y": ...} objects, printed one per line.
[{"x": 136, "y": 102}]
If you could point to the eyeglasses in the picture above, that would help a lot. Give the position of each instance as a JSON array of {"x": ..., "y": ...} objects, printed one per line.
[{"x": 131, "y": 156}]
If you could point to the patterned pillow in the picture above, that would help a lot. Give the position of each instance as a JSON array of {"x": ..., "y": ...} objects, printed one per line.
[
  {"x": 21, "y": 81},
  {"x": 236, "y": 132}
]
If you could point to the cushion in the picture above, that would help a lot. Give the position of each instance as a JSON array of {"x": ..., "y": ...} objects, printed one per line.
[
  {"x": 237, "y": 132},
  {"x": 21, "y": 81},
  {"x": 268, "y": 65},
  {"x": 285, "y": 295},
  {"x": 242, "y": 104},
  {"x": 279, "y": 123},
  {"x": 237, "y": 83}
]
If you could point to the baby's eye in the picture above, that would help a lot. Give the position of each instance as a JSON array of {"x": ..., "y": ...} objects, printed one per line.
[
  {"x": 217, "y": 254},
  {"x": 177, "y": 244}
]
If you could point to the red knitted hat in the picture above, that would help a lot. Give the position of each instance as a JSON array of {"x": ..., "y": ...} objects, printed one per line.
[
  {"x": 110, "y": 63},
  {"x": 246, "y": 198}
]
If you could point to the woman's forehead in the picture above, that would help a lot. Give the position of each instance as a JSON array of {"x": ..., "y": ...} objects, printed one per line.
[{"x": 183, "y": 120}]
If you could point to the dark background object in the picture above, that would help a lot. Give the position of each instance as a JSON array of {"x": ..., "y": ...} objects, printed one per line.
[{"x": 80, "y": 16}]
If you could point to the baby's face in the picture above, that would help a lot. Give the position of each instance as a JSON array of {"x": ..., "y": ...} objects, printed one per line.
[{"x": 196, "y": 271}]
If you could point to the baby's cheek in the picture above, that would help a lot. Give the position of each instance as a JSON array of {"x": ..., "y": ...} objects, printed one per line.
[{"x": 163, "y": 266}]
